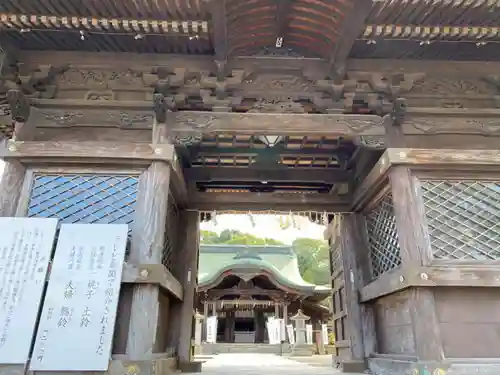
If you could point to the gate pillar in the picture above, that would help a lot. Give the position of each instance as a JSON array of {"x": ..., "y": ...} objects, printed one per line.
[
  {"x": 431, "y": 223},
  {"x": 11, "y": 182},
  {"x": 148, "y": 234},
  {"x": 353, "y": 322},
  {"x": 188, "y": 279}
]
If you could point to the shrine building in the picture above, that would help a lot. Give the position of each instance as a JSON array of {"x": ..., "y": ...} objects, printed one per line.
[
  {"x": 243, "y": 285},
  {"x": 378, "y": 118}
]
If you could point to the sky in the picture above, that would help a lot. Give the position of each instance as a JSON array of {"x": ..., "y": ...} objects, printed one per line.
[
  {"x": 261, "y": 225},
  {"x": 267, "y": 226}
]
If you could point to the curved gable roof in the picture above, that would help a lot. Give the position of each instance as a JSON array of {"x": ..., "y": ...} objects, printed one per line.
[{"x": 278, "y": 262}]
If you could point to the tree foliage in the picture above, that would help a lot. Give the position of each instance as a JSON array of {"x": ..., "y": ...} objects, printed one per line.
[{"x": 312, "y": 254}]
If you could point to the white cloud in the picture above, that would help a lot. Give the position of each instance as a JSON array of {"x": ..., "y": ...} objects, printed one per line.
[{"x": 270, "y": 226}]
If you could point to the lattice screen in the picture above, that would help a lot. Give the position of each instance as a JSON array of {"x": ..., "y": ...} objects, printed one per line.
[
  {"x": 171, "y": 237},
  {"x": 84, "y": 198},
  {"x": 383, "y": 237},
  {"x": 463, "y": 218}
]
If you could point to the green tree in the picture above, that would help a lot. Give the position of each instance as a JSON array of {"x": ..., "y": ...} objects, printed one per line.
[
  {"x": 312, "y": 254},
  {"x": 235, "y": 237},
  {"x": 313, "y": 258}
]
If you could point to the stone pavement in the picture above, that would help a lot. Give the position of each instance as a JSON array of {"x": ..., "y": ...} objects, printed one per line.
[{"x": 258, "y": 364}]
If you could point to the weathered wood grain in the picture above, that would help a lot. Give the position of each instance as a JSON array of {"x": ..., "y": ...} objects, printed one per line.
[
  {"x": 444, "y": 158},
  {"x": 92, "y": 134},
  {"x": 372, "y": 183},
  {"x": 415, "y": 250},
  {"x": 156, "y": 274},
  {"x": 351, "y": 243},
  {"x": 188, "y": 276},
  {"x": 11, "y": 182},
  {"x": 387, "y": 283},
  {"x": 99, "y": 152},
  {"x": 268, "y": 201},
  {"x": 148, "y": 231},
  {"x": 472, "y": 275}
]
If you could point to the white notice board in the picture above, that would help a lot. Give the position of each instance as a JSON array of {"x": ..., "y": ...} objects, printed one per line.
[
  {"x": 25, "y": 248},
  {"x": 79, "y": 313}
]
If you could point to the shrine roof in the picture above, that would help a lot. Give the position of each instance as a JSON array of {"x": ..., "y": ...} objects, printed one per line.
[
  {"x": 322, "y": 29},
  {"x": 277, "y": 262}
]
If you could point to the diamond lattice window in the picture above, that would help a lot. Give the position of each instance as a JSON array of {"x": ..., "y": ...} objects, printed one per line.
[
  {"x": 171, "y": 237},
  {"x": 82, "y": 198},
  {"x": 383, "y": 237},
  {"x": 463, "y": 218}
]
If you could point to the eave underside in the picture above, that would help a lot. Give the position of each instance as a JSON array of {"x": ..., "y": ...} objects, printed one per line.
[{"x": 225, "y": 29}]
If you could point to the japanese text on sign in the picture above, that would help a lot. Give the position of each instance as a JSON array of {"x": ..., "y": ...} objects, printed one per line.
[
  {"x": 25, "y": 249},
  {"x": 80, "y": 309}
]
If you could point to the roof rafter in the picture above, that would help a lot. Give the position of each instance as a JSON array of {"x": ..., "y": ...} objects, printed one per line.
[
  {"x": 219, "y": 25},
  {"x": 352, "y": 26},
  {"x": 283, "y": 8}
]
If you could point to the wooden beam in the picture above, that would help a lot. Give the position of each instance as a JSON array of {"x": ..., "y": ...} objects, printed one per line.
[
  {"x": 57, "y": 113},
  {"x": 283, "y": 8},
  {"x": 98, "y": 152},
  {"x": 352, "y": 27},
  {"x": 156, "y": 274},
  {"x": 268, "y": 201},
  {"x": 424, "y": 158},
  {"x": 206, "y": 174},
  {"x": 387, "y": 283},
  {"x": 276, "y": 123},
  {"x": 452, "y": 274},
  {"x": 279, "y": 150}
]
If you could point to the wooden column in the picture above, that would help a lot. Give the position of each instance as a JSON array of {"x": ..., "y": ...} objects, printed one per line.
[
  {"x": 416, "y": 251},
  {"x": 148, "y": 231},
  {"x": 11, "y": 182},
  {"x": 188, "y": 277},
  {"x": 360, "y": 321}
]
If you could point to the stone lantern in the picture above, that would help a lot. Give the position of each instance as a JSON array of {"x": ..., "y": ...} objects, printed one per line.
[
  {"x": 299, "y": 320},
  {"x": 198, "y": 327}
]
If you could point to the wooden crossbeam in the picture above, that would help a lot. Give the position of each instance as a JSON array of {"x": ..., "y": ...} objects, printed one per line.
[
  {"x": 265, "y": 201},
  {"x": 221, "y": 174}
]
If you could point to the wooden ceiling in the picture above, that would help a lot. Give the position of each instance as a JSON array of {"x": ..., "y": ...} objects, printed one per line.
[
  {"x": 327, "y": 29},
  {"x": 242, "y": 163}
]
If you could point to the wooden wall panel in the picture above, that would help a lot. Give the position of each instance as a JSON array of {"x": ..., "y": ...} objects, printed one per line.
[
  {"x": 469, "y": 321},
  {"x": 394, "y": 325}
]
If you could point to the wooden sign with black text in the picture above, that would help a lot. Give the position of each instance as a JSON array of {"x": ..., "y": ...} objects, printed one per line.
[{"x": 78, "y": 318}]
